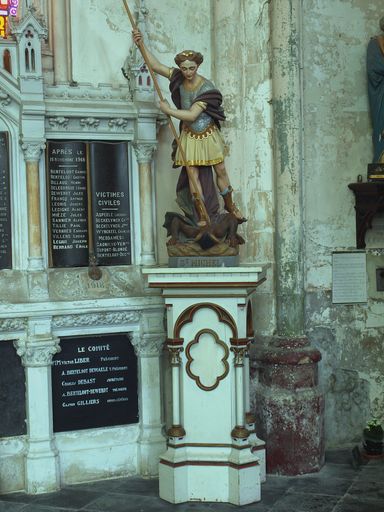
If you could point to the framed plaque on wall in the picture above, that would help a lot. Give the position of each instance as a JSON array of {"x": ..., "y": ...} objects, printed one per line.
[
  {"x": 88, "y": 203},
  {"x": 94, "y": 383}
]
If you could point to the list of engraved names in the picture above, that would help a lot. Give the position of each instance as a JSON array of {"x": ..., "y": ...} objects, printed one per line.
[
  {"x": 68, "y": 202},
  {"x": 5, "y": 217},
  {"x": 92, "y": 377}
]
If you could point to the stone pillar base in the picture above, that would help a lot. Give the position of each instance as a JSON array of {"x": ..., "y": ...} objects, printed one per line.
[
  {"x": 151, "y": 446},
  {"x": 41, "y": 472},
  {"x": 290, "y": 406}
]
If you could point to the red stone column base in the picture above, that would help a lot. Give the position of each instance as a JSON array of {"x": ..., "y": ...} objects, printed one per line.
[{"x": 290, "y": 406}]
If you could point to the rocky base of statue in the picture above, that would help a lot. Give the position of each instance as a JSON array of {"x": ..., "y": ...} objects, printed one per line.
[
  {"x": 218, "y": 240},
  {"x": 214, "y": 244}
]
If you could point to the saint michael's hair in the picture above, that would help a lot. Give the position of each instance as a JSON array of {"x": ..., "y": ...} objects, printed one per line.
[{"x": 189, "y": 55}]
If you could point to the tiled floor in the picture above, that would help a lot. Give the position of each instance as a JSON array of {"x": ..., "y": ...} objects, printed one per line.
[{"x": 337, "y": 488}]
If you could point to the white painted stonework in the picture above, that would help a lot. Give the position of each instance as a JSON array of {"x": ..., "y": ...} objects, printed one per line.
[
  {"x": 43, "y": 460},
  {"x": 41, "y": 306},
  {"x": 213, "y": 453}
]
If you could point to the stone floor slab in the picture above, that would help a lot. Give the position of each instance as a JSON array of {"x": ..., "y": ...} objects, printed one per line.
[
  {"x": 336, "y": 488},
  {"x": 40, "y": 508},
  {"x": 339, "y": 456},
  {"x": 138, "y": 485},
  {"x": 367, "y": 490},
  {"x": 18, "y": 497},
  {"x": 305, "y": 503},
  {"x": 274, "y": 488},
  {"x": 220, "y": 507},
  {"x": 113, "y": 502},
  {"x": 319, "y": 485},
  {"x": 372, "y": 472},
  {"x": 100, "y": 485},
  {"x": 344, "y": 471},
  {"x": 68, "y": 498},
  {"x": 351, "y": 504},
  {"x": 6, "y": 506}
]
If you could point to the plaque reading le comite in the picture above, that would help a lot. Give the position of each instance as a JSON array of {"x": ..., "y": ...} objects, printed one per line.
[
  {"x": 67, "y": 200},
  {"x": 110, "y": 202},
  {"x": 94, "y": 383},
  {"x": 5, "y": 205}
]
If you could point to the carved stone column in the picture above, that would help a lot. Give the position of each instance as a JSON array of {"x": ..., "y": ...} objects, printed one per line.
[
  {"x": 175, "y": 346},
  {"x": 287, "y": 85},
  {"x": 148, "y": 347},
  {"x": 239, "y": 348},
  {"x": 61, "y": 41},
  {"x": 288, "y": 389},
  {"x": 41, "y": 461},
  {"x": 32, "y": 152},
  {"x": 144, "y": 153}
]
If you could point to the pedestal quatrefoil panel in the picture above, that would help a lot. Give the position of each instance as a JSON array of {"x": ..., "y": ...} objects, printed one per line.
[{"x": 207, "y": 357}]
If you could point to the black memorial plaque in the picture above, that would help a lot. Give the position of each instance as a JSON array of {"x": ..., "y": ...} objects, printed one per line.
[
  {"x": 67, "y": 200},
  {"x": 110, "y": 202},
  {"x": 94, "y": 383},
  {"x": 5, "y": 205},
  {"x": 12, "y": 392}
]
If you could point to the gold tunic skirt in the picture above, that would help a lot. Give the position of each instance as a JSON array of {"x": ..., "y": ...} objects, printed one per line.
[{"x": 204, "y": 148}]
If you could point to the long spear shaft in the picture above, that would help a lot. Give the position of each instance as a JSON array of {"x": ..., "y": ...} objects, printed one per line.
[{"x": 170, "y": 123}]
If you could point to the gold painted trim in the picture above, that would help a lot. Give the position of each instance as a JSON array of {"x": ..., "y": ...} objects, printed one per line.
[
  {"x": 240, "y": 432},
  {"x": 208, "y": 445},
  {"x": 214, "y": 284},
  {"x": 176, "y": 431},
  {"x": 190, "y": 359},
  {"x": 221, "y": 295},
  {"x": 258, "y": 448},
  {"x": 209, "y": 463},
  {"x": 239, "y": 342},
  {"x": 249, "y": 417},
  {"x": 200, "y": 135},
  {"x": 174, "y": 342},
  {"x": 193, "y": 163},
  {"x": 187, "y": 317}
]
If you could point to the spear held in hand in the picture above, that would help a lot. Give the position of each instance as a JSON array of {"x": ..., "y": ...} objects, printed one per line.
[{"x": 195, "y": 189}]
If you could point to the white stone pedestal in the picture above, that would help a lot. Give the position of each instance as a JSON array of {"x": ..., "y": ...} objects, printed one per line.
[{"x": 209, "y": 322}]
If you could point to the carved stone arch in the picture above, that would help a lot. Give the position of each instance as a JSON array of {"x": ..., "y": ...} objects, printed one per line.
[{"x": 187, "y": 316}]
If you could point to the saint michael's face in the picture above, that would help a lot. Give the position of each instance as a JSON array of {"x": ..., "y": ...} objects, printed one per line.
[{"x": 189, "y": 69}]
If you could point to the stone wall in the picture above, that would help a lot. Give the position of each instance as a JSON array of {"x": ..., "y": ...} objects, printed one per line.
[{"x": 337, "y": 148}]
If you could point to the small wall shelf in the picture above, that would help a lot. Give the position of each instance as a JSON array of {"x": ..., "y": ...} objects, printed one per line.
[{"x": 369, "y": 200}]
